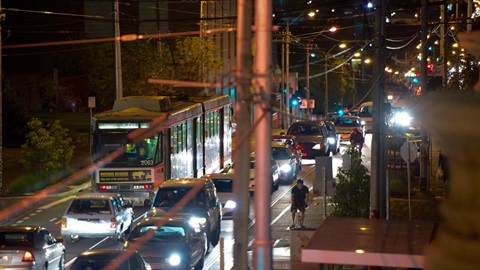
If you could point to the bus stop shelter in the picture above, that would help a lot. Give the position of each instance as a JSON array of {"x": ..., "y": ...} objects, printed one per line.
[{"x": 370, "y": 242}]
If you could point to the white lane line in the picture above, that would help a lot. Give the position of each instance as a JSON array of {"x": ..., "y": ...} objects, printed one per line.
[
  {"x": 280, "y": 215},
  {"x": 56, "y": 202},
  {"x": 92, "y": 247},
  {"x": 52, "y": 220},
  {"x": 19, "y": 221},
  {"x": 38, "y": 211},
  {"x": 32, "y": 214}
]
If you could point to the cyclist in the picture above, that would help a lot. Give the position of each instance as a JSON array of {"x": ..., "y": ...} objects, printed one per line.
[
  {"x": 356, "y": 138},
  {"x": 299, "y": 202}
]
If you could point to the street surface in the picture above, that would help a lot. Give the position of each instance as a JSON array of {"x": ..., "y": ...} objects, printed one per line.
[{"x": 49, "y": 214}]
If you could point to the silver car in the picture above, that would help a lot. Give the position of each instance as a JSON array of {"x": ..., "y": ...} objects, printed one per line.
[
  {"x": 93, "y": 215},
  {"x": 23, "y": 247}
]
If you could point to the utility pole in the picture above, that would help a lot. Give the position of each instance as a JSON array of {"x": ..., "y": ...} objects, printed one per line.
[
  {"x": 308, "y": 81},
  {"x": 378, "y": 187},
  {"x": 283, "y": 86},
  {"x": 469, "y": 15},
  {"x": 326, "y": 85},
  {"x": 443, "y": 51},
  {"x": 118, "y": 54},
  {"x": 287, "y": 73},
  {"x": 262, "y": 245},
  {"x": 242, "y": 116},
  {"x": 2, "y": 17},
  {"x": 424, "y": 153}
]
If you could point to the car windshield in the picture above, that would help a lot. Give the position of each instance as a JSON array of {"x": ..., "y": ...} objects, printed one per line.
[
  {"x": 168, "y": 197},
  {"x": 164, "y": 233},
  {"x": 306, "y": 130},
  {"x": 18, "y": 239},
  {"x": 348, "y": 122},
  {"x": 89, "y": 206},
  {"x": 223, "y": 185},
  {"x": 281, "y": 153}
]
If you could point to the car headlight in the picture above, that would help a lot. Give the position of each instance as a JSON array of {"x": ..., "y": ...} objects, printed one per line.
[
  {"x": 285, "y": 168},
  {"x": 402, "y": 119},
  {"x": 230, "y": 204},
  {"x": 173, "y": 260},
  {"x": 196, "y": 221},
  {"x": 317, "y": 146},
  {"x": 362, "y": 123},
  {"x": 331, "y": 140}
]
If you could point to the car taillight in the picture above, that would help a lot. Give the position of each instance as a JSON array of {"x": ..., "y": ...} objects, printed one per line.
[
  {"x": 143, "y": 187},
  {"x": 63, "y": 223},
  {"x": 113, "y": 223},
  {"x": 107, "y": 187},
  {"x": 28, "y": 257}
]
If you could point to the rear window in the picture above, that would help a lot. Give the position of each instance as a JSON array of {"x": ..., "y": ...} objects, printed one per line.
[
  {"x": 305, "y": 130},
  {"x": 18, "y": 239},
  {"x": 347, "y": 122},
  {"x": 164, "y": 233},
  {"x": 168, "y": 197},
  {"x": 223, "y": 185},
  {"x": 80, "y": 206}
]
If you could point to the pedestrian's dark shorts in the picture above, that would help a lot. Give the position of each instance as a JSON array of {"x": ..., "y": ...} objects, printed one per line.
[{"x": 298, "y": 206}]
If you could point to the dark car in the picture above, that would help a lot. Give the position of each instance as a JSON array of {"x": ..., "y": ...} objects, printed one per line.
[
  {"x": 118, "y": 259},
  {"x": 293, "y": 142},
  {"x": 286, "y": 160},
  {"x": 205, "y": 205},
  {"x": 312, "y": 137},
  {"x": 23, "y": 247},
  {"x": 333, "y": 137},
  {"x": 173, "y": 243},
  {"x": 275, "y": 169}
]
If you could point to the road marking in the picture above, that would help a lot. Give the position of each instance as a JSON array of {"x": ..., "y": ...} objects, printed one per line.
[
  {"x": 53, "y": 219},
  {"x": 32, "y": 214},
  {"x": 56, "y": 202}
]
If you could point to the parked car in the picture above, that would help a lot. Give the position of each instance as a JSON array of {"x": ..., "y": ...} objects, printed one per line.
[
  {"x": 23, "y": 247},
  {"x": 224, "y": 186},
  {"x": 293, "y": 142},
  {"x": 93, "y": 215},
  {"x": 171, "y": 243},
  {"x": 205, "y": 205},
  {"x": 274, "y": 169},
  {"x": 345, "y": 125},
  {"x": 101, "y": 258},
  {"x": 312, "y": 137},
  {"x": 286, "y": 160},
  {"x": 333, "y": 137}
]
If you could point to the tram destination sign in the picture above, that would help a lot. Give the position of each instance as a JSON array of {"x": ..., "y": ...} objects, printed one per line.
[{"x": 125, "y": 176}]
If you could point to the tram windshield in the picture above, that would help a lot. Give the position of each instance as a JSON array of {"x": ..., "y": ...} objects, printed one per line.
[{"x": 146, "y": 153}]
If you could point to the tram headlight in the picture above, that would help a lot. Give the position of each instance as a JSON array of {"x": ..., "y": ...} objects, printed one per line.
[{"x": 331, "y": 140}]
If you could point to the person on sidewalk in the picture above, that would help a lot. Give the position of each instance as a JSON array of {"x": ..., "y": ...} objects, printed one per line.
[
  {"x": 356, "y": 138},
  {"x": 299, "y": 201}
]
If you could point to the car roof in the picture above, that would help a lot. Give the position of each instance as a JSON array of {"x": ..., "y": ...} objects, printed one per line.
[
  {"x": 20, "y": 228},
  {"x": 307, "y": 122},
  {"x": 280, "y": 144},
  {"x": 283, "y": 137},
  {"x": 176, "y": 220},
  {"x": 230, "y": 174},
  {"x": 96, "y": 195},
  {"x": 350, "y": 116},
  {"x": 183, "y": 182}
]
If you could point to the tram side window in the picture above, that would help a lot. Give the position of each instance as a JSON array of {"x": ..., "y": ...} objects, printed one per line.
[
  {"x": 184, "y": 136},
  {"x": 216, "y": 124},
  {"x": 173, "y": 139},
  {"x": 189, "y": 134},
  {"x": 208, "y": 125}
]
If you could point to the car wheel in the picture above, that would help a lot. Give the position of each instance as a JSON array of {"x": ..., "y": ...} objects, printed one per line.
[
  {"x": 61, "y": 263},
  {"x": 216, "y": 234},
  {"x": 199, "y": 265},
  {"x": 209, "y": 236},
  {"x": 335, "y": 151},
  {"x": 67, "y": 239}
]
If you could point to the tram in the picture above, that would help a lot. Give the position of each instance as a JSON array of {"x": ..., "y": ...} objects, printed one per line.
[{"x": 188, "y": 136}]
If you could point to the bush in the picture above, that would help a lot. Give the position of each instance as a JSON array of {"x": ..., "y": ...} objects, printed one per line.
[
  {"x": 34, "y": 182},
  {"x": 352, "y": 195}
]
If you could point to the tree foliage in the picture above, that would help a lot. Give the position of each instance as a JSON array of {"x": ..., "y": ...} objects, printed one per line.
[
  {"x": 47, "y": 149},
  {"x": 352, "y": 195},
  {"x": 15, "y": 124},
  {"x": 185, "y": 58}
]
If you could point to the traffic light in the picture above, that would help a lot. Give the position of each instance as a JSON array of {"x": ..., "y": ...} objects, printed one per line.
[{"x": 295, "y": 101}]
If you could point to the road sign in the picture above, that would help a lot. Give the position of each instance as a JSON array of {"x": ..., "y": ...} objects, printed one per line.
[
  {"x": 303, "y": 105},
  {"x": 91, "y": 102},
  {"x": 413, "y": 152}
]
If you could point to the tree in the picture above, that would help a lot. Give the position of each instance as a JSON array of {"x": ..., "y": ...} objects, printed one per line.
[
  {"x": 184, "y": 58},
  {"x": 15, "y": 124},
  {"x": 47, "y": 149},
  {"x": 352, "y": 193}
]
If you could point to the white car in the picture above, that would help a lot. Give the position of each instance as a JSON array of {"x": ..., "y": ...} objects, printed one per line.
[
  {"x": 92, "y": 215},
  {"x": 224, "y": 186}
]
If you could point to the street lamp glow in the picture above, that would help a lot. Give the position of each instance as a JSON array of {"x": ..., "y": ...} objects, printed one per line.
[
  {"x": 333, "y": 29},
  {"x": 343, "y": 45},
  {"x": 357, "y": 54},
  {"x": 367, "y": 61},
  {"x": 369, "y": 5},
  {"x": 455, "y": 45},
  {"x": 312, "y": 55},
  {"x": 311, "y": 14}
]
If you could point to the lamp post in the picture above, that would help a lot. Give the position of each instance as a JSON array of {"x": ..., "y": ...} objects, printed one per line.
[
  {"x": 326, "y": 75},
  {"x": 287, "y": 60}
]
